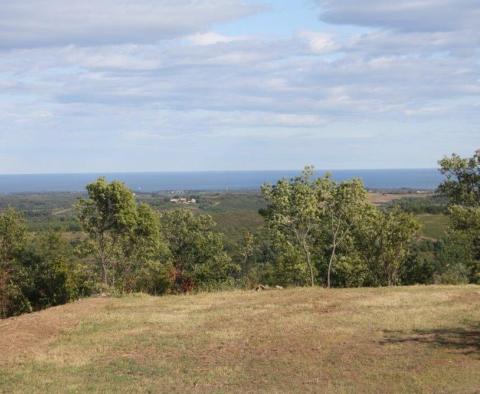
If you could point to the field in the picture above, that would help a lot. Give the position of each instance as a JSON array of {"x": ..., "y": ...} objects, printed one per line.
[
  {"x": 413, "y": 339},
  {"x": 433, "y": 226},
  {"x": 234, "y": 212}
]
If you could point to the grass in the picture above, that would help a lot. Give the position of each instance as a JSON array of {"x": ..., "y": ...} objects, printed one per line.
[
  {"x": 433, "y": 226},
  {"x": 415, "y": 339}
]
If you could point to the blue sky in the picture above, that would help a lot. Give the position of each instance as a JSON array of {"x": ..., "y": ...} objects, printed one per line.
[{"x": 166, "y": 85}]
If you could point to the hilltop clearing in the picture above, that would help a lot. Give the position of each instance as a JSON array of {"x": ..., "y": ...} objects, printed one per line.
[{"x": 410, "y": 339}]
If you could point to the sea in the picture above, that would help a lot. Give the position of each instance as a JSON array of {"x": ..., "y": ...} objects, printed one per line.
[{"x": 148, "y": 182}]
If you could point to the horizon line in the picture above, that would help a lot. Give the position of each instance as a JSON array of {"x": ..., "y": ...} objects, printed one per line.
[{"x": 212, "y": 171}]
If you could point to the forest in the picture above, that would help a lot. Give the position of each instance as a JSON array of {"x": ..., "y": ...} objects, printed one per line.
[{"x": 305, "y": 231}]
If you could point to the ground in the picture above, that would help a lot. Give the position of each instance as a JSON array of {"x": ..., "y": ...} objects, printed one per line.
[{"x": 411, "y": 339}]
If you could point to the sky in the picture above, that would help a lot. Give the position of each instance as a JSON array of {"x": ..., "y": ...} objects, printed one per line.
[{"x": 185, "y": 85}]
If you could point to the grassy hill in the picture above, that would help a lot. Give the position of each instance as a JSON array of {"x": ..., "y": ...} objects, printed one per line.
[{"x": 416, "y": 339}]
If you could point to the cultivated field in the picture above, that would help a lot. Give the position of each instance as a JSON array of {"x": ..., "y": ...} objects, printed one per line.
[{"x": 416, "y": 339}]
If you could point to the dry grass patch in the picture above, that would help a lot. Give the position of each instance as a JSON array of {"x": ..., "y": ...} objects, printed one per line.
[{"x": 416, "y": 339}]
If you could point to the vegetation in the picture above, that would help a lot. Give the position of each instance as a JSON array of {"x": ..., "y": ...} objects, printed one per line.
[
  {"x": 310, "y": 231},
  {"x": 396, "y": 340},
  {"x": 321, "y": 223},
  {"x": 36, "y": 271}
]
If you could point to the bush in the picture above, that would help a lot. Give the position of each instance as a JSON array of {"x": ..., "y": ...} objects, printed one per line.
[{"x": 155, "y": 278}]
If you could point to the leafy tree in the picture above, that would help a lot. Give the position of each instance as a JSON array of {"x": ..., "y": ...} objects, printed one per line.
[
  {"x": 454, "y": 259},
  {"x": 144, "y": 250},
  {"x": 34, "y": 275},
  {"x": 343, "y": 206},
  {"x": 385, "y": 239},
  {"x": 107, "y": 216},
  {"x": 421, "y": 264},
  {"x": 464, "y": 235},
  {"x": 462, "y": 187},
  {"x": 12, "y": 234},
  {"x": 293, "y": 212},
  {"x": 13, "y": 281},
  {"x": 50, "y": 265},
  {"x": 462, "y": 184},
  {"x": 13, "y": 278},
  {"x": 197, "y": 251}
]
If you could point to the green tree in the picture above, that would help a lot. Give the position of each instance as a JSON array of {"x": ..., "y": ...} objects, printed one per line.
[
  {"x": 464, "y": 233},
  {"x": 462, "y": 187},
  {"x": 50, "y": 265},
  {"x": 294, "y": 213},
  {"x": 145, "y": 251},
  {"x": 386, "y": 239},
  {"x": 108, "y": 216},
  {"x": 13, "y": 278},
  {"x": 343, "y": 206},
  {"x": 462, "y": 184},
  {"x": 197, "y": 251},
  {"x": 12, "y": 234}
]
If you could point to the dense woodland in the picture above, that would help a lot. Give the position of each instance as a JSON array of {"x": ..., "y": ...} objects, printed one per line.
[{"x": 304, "y": 231}]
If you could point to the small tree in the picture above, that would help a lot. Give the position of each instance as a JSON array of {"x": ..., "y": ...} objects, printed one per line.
[
  {"x": 12, "y": 276},
  {"x": 12, "y": 234},
  {"x": 462, "y": 184},
  {"x": 386, "y": 240},
  {"x": 197, "y": 251},
  {"x": 293, "y": 212},
  {"x": 462, "y": 187},
  {"x": 342, "y": 205},
  {"x": 144, "y": 250},
  {"x": 108, "y": 215},
  {"x": 50, "y": 265}
]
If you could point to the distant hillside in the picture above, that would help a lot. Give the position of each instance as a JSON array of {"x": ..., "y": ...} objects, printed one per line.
[{"x": 415, "y": 339}]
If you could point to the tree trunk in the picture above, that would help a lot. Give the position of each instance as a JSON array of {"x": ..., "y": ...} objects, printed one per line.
[
  {"x": 103, "y": 262},
  {"x": 330, "y": 264},
  {"x": 309, "y": 262},
  {"x": 303, "y": 242},
  {"x": 104, "y": 273}
]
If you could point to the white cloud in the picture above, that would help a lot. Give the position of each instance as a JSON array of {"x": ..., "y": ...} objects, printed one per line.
[
  {"x": 212, "y": 38},
  {"x": 404, "y": 15},
  {"x": 319, "y": 42},
  {"x": 196, "y": 82},
  {"x": 36, "y": 23}
]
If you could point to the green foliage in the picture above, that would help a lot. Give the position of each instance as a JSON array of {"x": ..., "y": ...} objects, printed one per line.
[
  {"x": 12, "y": 234},
  {"x": 34, "y": 274},
  {"x": 433, "y": 205},
  {"x": 344, "y": 207},
  {"x": 385, "y": 242},
  {"x": 14, "y": 280},
  {"x": 421, "y": 265},
  {"x": 462, "y": 184},
  {"x": 453, "y": 259},
  {"x": 197, "y": 251},
  {"x": 154, "y": 277},
  {"x": 293, "y": 213},
  {"x": 315, "y": 230},
  {"x": 48, "y": 260},
  {"x": 317, "y": 224},
  {"x": 462, "y": 187},
  {"x": 464, "y": 240},
  {"x": 351, "y": 270},
  {"x": 108, "y": 216}
]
